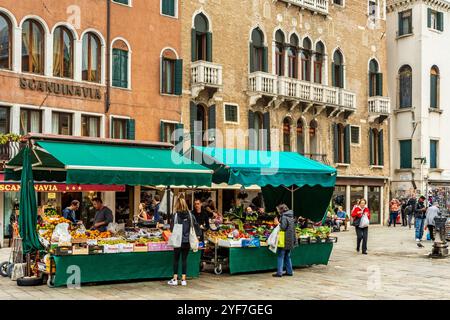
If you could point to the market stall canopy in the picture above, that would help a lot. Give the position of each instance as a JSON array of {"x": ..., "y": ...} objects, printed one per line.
[
  {"x": 262, "y": 168},
  {"x": 111, "y": 163}
]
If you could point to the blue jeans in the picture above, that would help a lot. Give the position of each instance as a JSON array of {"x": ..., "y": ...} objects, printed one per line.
[
  {"x": 284, "y": 260},
  {"x": 419, "y": 227}
]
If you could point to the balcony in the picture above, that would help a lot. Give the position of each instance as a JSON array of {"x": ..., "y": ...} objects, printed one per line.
[
  {"x": 319, "y": 6},
  {"x": 262, "y": 85},
  {"x": 379, "y": 109},
  {"x": 205, "y": 76}
]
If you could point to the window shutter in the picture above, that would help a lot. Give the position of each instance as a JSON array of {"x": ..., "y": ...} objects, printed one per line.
[
  {"x": 162, "y": 132},
  {"x": 212, "y": 124},
  {"x": 433, "y": 91},
  {"x": 333, "y": 74},
  {"x": 116, "y": 68},
  {"x": 400, "y": 24},
  {"x": 179, "y": 137},
  {"x": 347, "y": 158},
  {"x": 131, "y": 129},
  {"x": 251, "y": 134},
  {"x": 266, "y": 132},
  {"x": 124, "y": 69},
  {"x": 405, "y": 154},
  {"x": 380, "y": 148},
  {"x": 429, "y": 17},
  {"x": 341, "y": 76},
  {"x": 441, "y": 21},
  {"x": 251, "y": 58},
  {"x": 193, "y": 45},
  {"x": 371, "y": 149},
  {"x": 335, "y": 143},
  {"x": 209, "y": 46},
  {"x": 178, "y": 77},
  {"x": 379, "y": 79},
  {"x": 265, "y": 62},
  {"x": 370, "y": 84},
  {"x": 193, "y": 118}
]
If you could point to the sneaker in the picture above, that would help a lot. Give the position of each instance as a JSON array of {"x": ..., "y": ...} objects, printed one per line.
[
  {"x": 173, "y": 282},
  {"x": 276, "y": 275},
  {"x": 365, "y": 252},
  {"x": 289, "y": 274},
  {"x": 183, "y": 283},
  {"x": 417, "y": 240}
]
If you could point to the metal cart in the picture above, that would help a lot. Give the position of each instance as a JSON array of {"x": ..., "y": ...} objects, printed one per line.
[{"x": 213, "y": 255}]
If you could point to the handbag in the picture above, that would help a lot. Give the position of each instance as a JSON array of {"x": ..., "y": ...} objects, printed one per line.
[
  {"x": 281, "y": 239},
  {"x": 177, "y": 234},
  {"x": 193, "y": 240},
  {"x": 356, "y": 222}
]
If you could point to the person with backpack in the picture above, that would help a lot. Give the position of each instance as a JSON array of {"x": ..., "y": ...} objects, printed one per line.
[
  {"x": 410, "y": 207},
  {"x": 287, "y": 225},
  {"x": 361, "y": 218},
  {"x": 419, "y": 217}
]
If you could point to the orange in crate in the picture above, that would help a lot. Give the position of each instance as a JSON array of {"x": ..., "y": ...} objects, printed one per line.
[{"x": 166, "y": 235}]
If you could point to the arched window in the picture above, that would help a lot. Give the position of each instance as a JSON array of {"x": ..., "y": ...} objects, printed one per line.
[
  {"x": 313, "y": 139},
  {"x": 306, "y": 59},
  {"x": 434, "y": 87},
  {"x": 92, "y": 61},
  {"x": 279, "y": 53},
  {"x": 341, "y": 143},
  {"x": 318, "y": 62},
  {"x": 405, "y": 87},
  {"x": 300, "y": 137},
  {"x": 201, "y": 39},
  {"x": 287, "y": 123},
  {"x": 169, "y": 60},
  {"x": 5, "y": 42},
  {"x": 63, "y": 53},
  {"x": 338, "y": 69},
  {"x": 292, "y": 57},
  {"x": 120, "y": 63},
  {"x": 375, "y": 79},
  {"x": 32, "y": 47},
  {"x": 258, "y": 124},
  {"x": 258, "y": 52}
]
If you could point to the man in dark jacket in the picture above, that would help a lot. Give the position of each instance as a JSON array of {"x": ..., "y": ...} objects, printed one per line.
[
  {"x": 202, "y": 218},
  {"x": 287, "y": 225},
  {"x": 409, "y": 210},
  {"x": 419, "y": 217}
]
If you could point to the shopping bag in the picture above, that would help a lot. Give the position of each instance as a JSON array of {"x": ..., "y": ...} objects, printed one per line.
[
  {"x": 177, "y": 234},
  {"x": 272, "y": 241},
  {"x": 364, "y": 223},
  {"x": 428, "y": 236},
  {"x": 281, "y": 239},
  {"x": 193, "y": 240}
]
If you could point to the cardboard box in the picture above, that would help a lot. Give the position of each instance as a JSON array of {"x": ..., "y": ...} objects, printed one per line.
[
  {"x": 165, "y": 247},
  {"x": 230, "y": 243},
  {"x": 126, "y": 247},
  {"x": 140, "y": 248},
  {"x": 95, "y": 249},
  {"x": 153, "y": 246},
  {"x": 111, "y": 248},
  {"x": 64, "y": 251},
  {"x": 80, "y": 250}
]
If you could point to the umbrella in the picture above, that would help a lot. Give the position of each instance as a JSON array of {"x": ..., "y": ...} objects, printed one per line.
[{"x": 28, "y": 207}]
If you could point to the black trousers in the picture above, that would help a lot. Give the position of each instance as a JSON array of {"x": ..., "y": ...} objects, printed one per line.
[
  {"x": 404, "y": 218},
  {"x": 183, "y": 252},
  {"x": 361, "y": 235},
  {"x": 431, "y": 229}
]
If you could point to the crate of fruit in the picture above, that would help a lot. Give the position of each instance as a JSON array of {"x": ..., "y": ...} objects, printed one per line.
[
  {"x": 126, "y": 247},
  {"x": 64, "y": 251},
  {"x": 95, "y": 249},
  {"x": 140, "y": 248},
  {"x": 79, "y": 250}
]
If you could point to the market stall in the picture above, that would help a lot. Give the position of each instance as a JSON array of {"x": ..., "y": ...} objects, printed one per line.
[
  {"x": 306, "y": 186},
  {"x": 119, "y": 253}
]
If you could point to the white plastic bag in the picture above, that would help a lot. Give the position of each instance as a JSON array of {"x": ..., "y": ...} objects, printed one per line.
[
  {"x": 193, "y": 240},
  {"x": 272, "y": 241},
  {"x": 177, "y": 234},
  {"x": 364, "y": 222},
  {"x": 62, "y": 235}
]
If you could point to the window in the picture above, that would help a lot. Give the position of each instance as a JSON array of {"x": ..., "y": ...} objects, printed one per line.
[
  {"x": 231, "y": 113},
  {"x": 32, "y": 47},
  {"x": 434, "y": 87},
  {"x": 91, "y": 67},
  {"x": 126, "y": 2},
  {"x": 355, "y": 134},
  {"x": 292, "y": 57},
  {"x": 318, "y": 62},
  {"x": 287, "y": 124},
  {"x": 341, "y": 143},
  {"x": 201, "y": 39},
  {"x": 199, "y": 124},
  {"x": 5, "y": 42},
  {"x": 279, "y": 53},
  {"x": 123, "y": 128},
  {"x": 433, "y": 154},
  {"x": 168, "y": 7},
  {"x": 258, "y": 52},
  {"x": 4, "y": 120},
  {"x": 338, "y": 69},
  {"x": 313, "y": 137},
  {"x": 259, "y": 130},
  {"x": 167, "y": 132},
  {"x": 306, "y": 59},
  {"x": 435, "y": 20},
  {"x": 372, "y": 9},
  {"x": 30, "y": 121},
  {"x": 376, "y": 147},
  {"x": 375, "y": 79},
  {"x": 62, "y": 123},
  {"x": 300, "y": 137},
  {"x": 339, "y": 2},
  {"x": 171, "y": 73},
  {"x": 405, "y": 87},
  {"x": 63, "y": 53},
  {"x": 120, "y": 63},
  {"x": 405, "y": 154},
  {"x": 405, "y": 22},
  {"x": 90, "y": 126}
]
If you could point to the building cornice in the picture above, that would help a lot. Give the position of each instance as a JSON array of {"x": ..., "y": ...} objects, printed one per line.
[{"x": 437, "y": 4}]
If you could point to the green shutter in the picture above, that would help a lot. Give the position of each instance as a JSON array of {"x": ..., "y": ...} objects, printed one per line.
[
  {"x": 251, "y": 134},
  {"x": 209, "y": 47},
  {"x": 162, "y": 132},
  {"x": 116, "y": 65},
  {"x": 194, "y": 45},
  {"x": 265, "y": 60},
  {"x": 131, "y": 129},
  {"x": 440, "y": 21},
  {"x": 251, "y": 58},
  {"x": 335, "y": 143},
  {"x": 341, "y": 76},
  {"x": 124, "y": 69},
  {"x": 429, "y": 17},
  {"x": 266, "y": 124},
  {"x": 371, "y": 149},
  {"x": 347, "y": 135},
  {"x": 380, "y": 148},
  {"x": 405, "y": 154},
  {"x": 179, "y": 137},
  {"x": 433, "y": 91},
  {"x": 433, "y": 154},
  {"x": 212, "y": 124},
  {"x": 333, "y": 74},
  {"x": 379, "y": 79},
  {"x": 192, "y": 118},
  {"x": 168, "y": 7},
  {"x": 400, "y": 24},
  {"x": 178, "y": 77},
  {"x": 370, "y": 84}
]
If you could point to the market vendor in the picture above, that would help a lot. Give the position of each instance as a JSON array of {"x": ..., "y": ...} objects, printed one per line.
[
  {"x": 69, "y": 213},
  {"x": 103, "y": 215},
  {"x": 202, "y": 218}
]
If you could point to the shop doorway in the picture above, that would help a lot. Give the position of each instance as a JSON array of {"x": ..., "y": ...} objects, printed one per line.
[{"x": 375, "y": 204}]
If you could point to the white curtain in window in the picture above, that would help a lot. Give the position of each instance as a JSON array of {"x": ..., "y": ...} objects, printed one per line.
[
  {"x": 35, "y": 120},
  {"x": 55, "y": 123},
  {"x": 93, "y": 127}
]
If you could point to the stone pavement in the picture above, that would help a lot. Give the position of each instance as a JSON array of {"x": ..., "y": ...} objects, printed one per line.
[{"x": 394, "y": 269}]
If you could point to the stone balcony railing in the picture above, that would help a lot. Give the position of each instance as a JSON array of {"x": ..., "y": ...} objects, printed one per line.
[
  {"x": 263, "y": 83},
  {"x": 319, "y": 6},
  {"x": 379, "y": 108},
  {"x": 205, "y": 74}
]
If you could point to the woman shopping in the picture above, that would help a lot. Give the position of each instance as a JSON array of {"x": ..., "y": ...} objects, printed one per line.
[
  {"x": 287, "y": 226},
  {"x": 361, "y": 218}
]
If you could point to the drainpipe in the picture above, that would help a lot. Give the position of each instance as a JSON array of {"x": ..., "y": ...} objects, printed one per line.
[{"x": 108, "y": 57}]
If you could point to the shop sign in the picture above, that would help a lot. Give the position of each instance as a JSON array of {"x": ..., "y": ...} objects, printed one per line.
[
  {"x": 51, "y": 195},
  {"x": 60, "y": 89},
  {"x": 42, "y": 187}
]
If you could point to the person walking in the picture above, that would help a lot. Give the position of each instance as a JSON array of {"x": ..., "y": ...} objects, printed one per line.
[
  {"x": 361, "y": 213},
  {"x": 187, "y": 220},
  {"x": 404, "y": 213},
  {"x": 430, "y": 224},
  {"x": 419, "y": 217},
  {"x": 287, "y": 224},
  {"x": 410, "y": 208},
  {"x": 395, "y": 209}
]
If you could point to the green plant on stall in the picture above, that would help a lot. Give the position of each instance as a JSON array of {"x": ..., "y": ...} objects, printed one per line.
[{"x": 9, "y": 137}]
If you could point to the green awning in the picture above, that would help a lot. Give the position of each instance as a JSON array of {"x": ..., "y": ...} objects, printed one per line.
[
  {"x": 263, "y": 168},
  {"x": 112, "y": 164}
]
